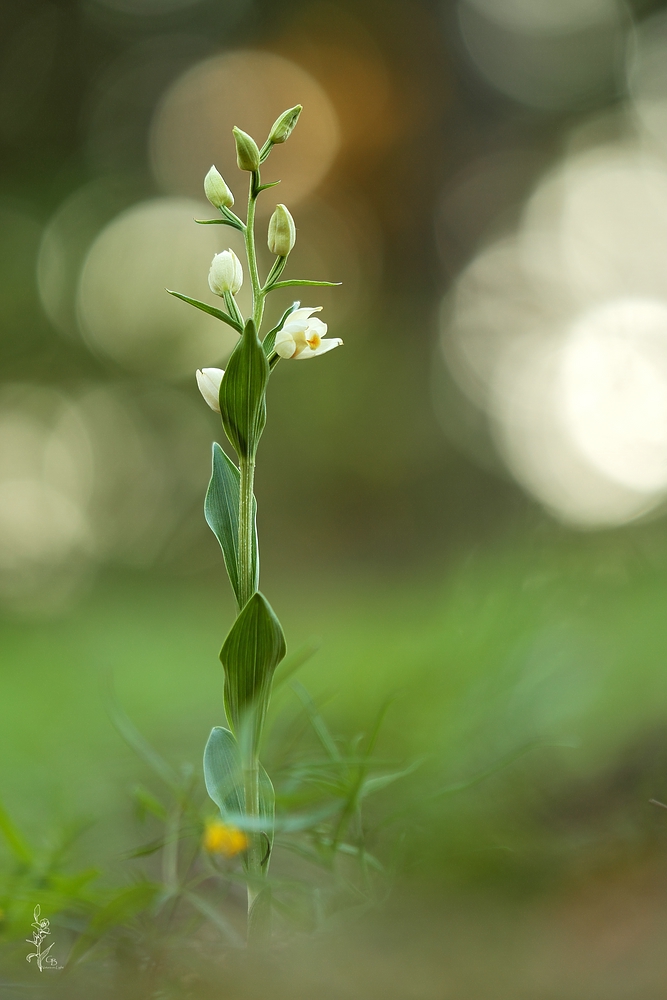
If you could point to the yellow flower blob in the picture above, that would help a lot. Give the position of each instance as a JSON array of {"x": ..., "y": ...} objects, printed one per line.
[{"x": 221, "y": 838}]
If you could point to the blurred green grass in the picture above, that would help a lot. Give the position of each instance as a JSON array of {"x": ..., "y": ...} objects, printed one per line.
[{"x": 545, "y": 643}]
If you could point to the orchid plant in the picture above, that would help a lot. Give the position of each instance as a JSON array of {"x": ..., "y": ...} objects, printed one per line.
[{"x": 255, "y": 645}]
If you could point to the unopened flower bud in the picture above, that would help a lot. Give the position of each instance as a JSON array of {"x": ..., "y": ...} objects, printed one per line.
[
  {"x": 283, "y": 126},
  {"x": 282, "y": 232},
  {"x": 208, "y": 380},
  {"x": 247, "y": 153},
  {"x": 216, "y": 190},
  {"x": 226, "y": 274}
]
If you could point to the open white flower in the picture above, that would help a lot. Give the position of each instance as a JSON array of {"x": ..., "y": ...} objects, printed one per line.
[
  {"x": 303, "y": 335},
  {"x": 208, "y": 380}
]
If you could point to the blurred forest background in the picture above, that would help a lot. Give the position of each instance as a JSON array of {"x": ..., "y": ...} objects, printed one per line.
[{"x": 465, "y": 504}]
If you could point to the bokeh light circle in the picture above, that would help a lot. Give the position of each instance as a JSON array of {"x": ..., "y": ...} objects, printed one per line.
[
  {"x": 557, "y": 333},
  {"x": 46, "y": 541},
  {"x": 614, "y": 390},
  {"x": 598, "y": 224},
  {"x": 536, "y": 444},
  {"x": 547, "y": 55},
  {"x": 123, "y": 308},
  {"x": 546, "y": 17},
  {"x": 66, "y": 240},
  {"x": 192, "y": 125}
]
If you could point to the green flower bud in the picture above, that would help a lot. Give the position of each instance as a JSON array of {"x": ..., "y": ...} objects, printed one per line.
[
  {"x": 284, "y": 125},
  {"x": 282, "y": 232},
  {"x": 247, "y": 153},
  {"x": 216, "y": 190}
]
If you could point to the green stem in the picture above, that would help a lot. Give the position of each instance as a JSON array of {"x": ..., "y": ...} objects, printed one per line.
[
  {"x": 256, "y": 925},
  {"x": 246, "y": 531},
  {"x": 251, "y": 763},
  {"x": 254, "y": 853},
  {"x": 257, "y": 294}
]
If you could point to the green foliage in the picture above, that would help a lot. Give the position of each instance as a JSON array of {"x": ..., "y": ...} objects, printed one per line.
[
  {"x": 251, "y": 652},
  {"x": 221, "y": 509},
  {"x": 120, "y": 909},
  {"x": 42, "y": 874},
  {"x": 233, "y": 222},
  {"x": 303, "y": 281},
  {"x": 289, "y": 666},
  {"x": 243, "y": 393},
  {"x": 211, "y": 310},
  {"x": 145, "y": 803}
]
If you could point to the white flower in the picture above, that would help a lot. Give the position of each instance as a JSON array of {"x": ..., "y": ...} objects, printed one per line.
[
  {"x": 226, "y": 274},
  {"x": 302, "y": 335},
  {"x": 208, "y": 380}
]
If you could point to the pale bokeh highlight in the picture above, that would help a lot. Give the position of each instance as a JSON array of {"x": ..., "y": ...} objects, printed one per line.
[
  {"x": 124, "y": 311},
  {"x": 557, "y": 332},
  {"x": 546, "y": 54}
]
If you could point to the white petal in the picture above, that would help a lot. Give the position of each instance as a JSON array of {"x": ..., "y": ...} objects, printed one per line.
[
  {"x": 285, "y": 345},
  {"x": 208, "y": 380},
  {"x": 317, "y": 326},
  {"x": 303, "y": 314},
  {"x": 299, "y": 327},
  {"x": 326, "y": 345}
]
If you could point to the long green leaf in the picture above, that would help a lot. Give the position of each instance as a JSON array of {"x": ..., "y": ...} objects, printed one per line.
[
  {"x": 250, "y": 654},
  {"x": 303, "y": 281},
  {"x": 372, "y": 785},
  {"x": 317, "y": 721},
  {"x": 219, "y": 222},
  {"x": 295, "y": 661},
  {"x": 146, "y": 803},
  {"x": 269, "y": 341},
  {"x": 221, "y": 509},
  {"x": 211, "y": 310},
  {"x": 136, "y": 740},
  {"x": 223, "y": 774},
  {"x": 243, "y": 393}
]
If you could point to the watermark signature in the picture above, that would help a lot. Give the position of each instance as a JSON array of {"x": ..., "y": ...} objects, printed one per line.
[{"x": 41, "y": 931}]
